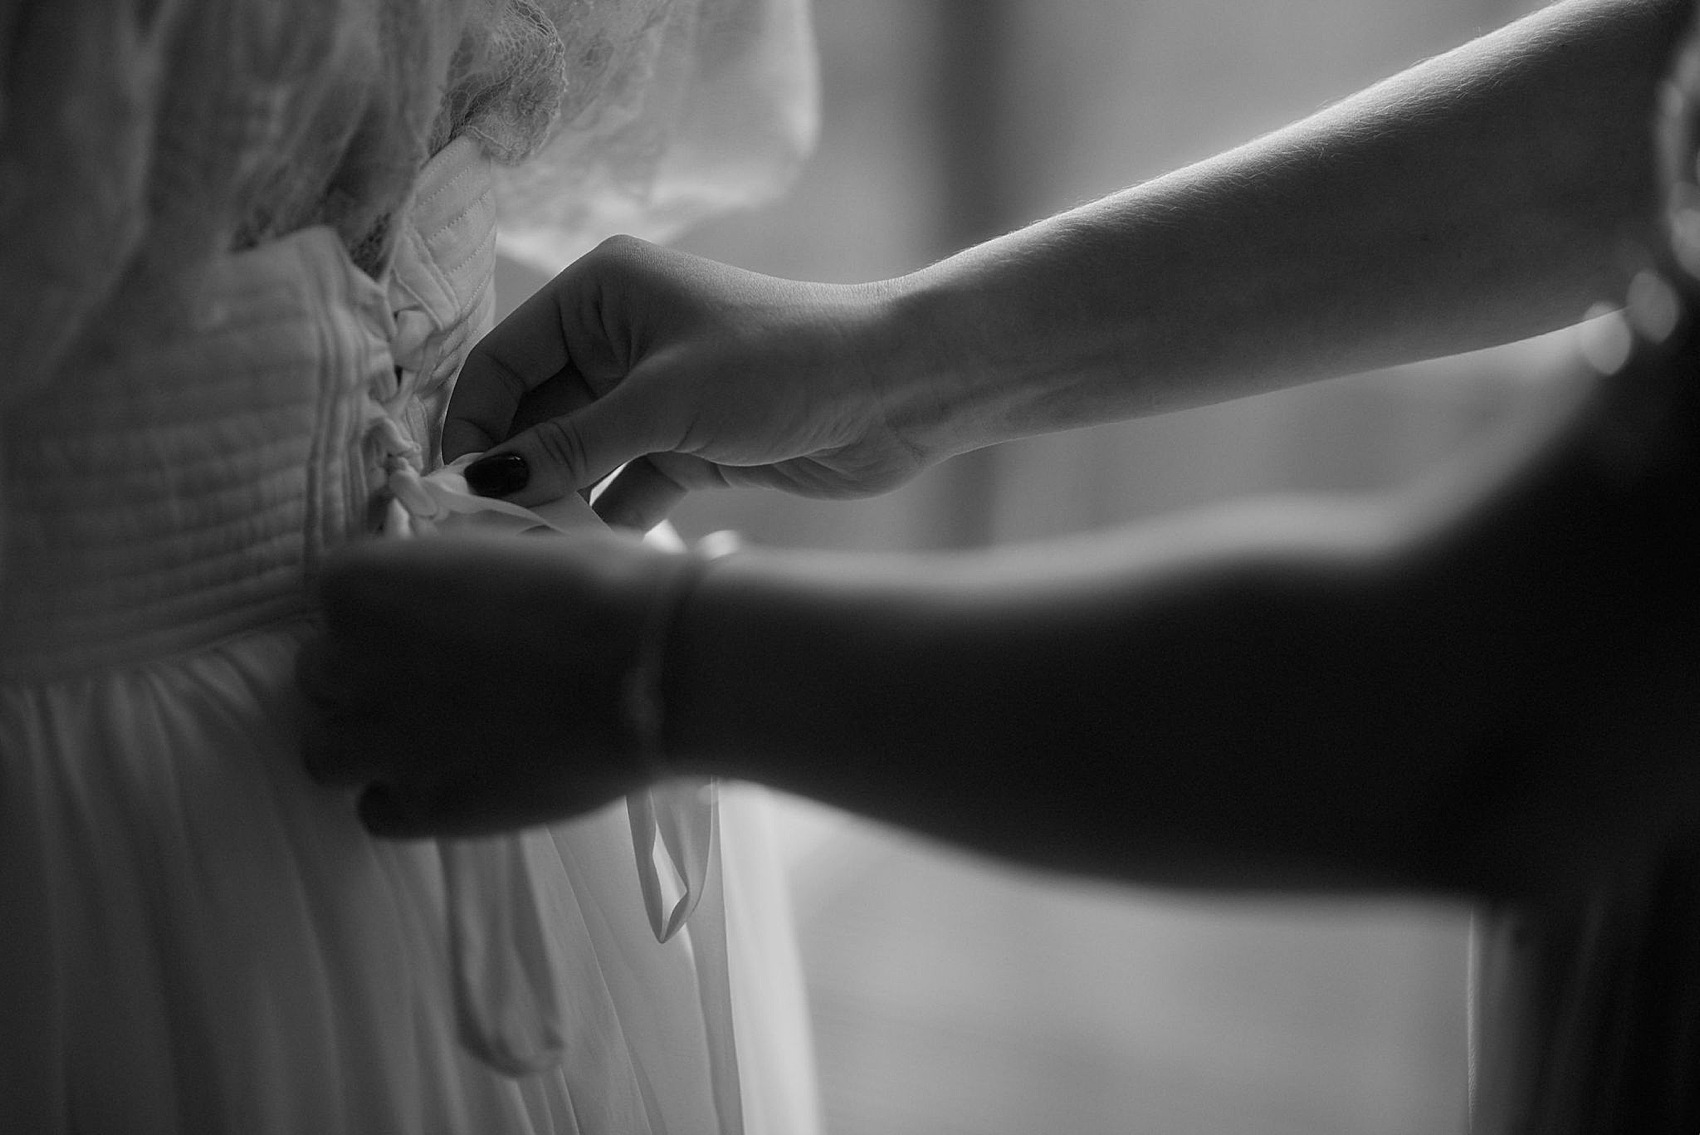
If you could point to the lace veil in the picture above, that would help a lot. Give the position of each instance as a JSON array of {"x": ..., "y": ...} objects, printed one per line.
[{"x": 140, "y": 137}]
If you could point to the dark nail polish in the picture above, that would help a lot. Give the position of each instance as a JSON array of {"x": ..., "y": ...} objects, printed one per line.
[{"x": 498, "y": 475}]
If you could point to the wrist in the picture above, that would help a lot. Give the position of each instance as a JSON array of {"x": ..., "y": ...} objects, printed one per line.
[
  {"x": 706, "y": 658},
  {"x": 787, "y": 660},
  {"x": 1027, "y": 333},
  {"x": 934, "y": 385},
  {"x": 739, "y": 678},
  {"x": 648, "y": 690}
]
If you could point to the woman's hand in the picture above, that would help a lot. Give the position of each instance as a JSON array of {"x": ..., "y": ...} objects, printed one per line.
[
  {"x": 475, "y": 685},
  {"x": 695, "y": 373}
]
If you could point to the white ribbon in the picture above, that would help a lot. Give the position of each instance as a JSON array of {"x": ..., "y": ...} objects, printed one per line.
[
  {"x": 509, "y": 956},
  {"x": 424, "y": 503}
]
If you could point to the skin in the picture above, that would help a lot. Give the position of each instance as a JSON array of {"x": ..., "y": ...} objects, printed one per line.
[
  {"x": 1434, "y": 692},
  {"x": 1488, "y": 194}
]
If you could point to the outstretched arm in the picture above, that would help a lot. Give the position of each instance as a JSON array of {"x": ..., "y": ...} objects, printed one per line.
[
  {"x": 1484, "y": 195},
  {"x": 1494, "y": 698}
]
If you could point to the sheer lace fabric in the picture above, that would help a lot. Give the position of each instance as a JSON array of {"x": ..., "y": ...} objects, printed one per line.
[{"x": 145, "y": 136}]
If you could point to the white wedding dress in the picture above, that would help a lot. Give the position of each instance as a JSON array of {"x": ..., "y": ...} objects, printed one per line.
[{"x": 231, "y": 335}]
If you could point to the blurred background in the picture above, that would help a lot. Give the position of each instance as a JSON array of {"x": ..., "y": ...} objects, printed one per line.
[{"x": 952, "y": 995}]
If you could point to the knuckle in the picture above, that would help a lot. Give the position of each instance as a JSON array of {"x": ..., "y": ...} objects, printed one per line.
[
  {"x": 561, "y": 443},
  {"x": 620, "y": 246},
  {"x": 613, "y": 259},
  {"x": 486, "y": 369}
]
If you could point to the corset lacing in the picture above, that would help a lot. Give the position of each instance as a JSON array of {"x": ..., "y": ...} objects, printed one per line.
[{"x": 512, "y": 958}]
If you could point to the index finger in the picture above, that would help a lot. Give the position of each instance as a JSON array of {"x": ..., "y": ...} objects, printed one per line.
[{"x": 521, "y": 353}]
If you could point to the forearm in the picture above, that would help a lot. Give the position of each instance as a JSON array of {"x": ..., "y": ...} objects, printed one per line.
[
  {"x": 1216, "y": 705},
  {"x": 1483, "y": 687},
  {"x": 1482, "y": 196}
]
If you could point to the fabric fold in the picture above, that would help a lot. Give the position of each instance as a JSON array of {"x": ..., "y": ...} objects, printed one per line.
[
  {"x": 685, "y": 814},
  {"x": 508, "y": 963}
]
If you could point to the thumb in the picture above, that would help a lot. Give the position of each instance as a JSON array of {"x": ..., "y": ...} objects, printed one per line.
[{"x": 564, "y": 454}]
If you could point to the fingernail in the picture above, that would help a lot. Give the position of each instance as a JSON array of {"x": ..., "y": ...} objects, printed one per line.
[{"x": 498, "y": 475}]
